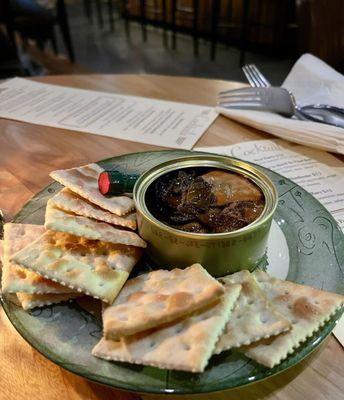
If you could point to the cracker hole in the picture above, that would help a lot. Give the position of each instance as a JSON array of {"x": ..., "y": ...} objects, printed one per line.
[
  {"x": 239, "y": 316},
  {"x": 152, "y": 344},
  {"x": 179, "y": 329},
  {"x": 186, "y": 347},
  {"x": 316, "y": 302},
  {"x": 264, "y": 319},
  {"x": 290, "y": 306},
  {"x": 286, "y": 292},
  {"x": 294, "y": 322},
  {"x": 101, "y": 284},
  {"x": 250, "y": 302},
  {"x": 21, "y": 274}
]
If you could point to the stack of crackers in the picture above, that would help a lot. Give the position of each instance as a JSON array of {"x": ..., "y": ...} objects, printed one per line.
[
  {"x": 87, "y": 245},
  {"x": 172, "y": 319},
  {"x": 178, "y": 319}
]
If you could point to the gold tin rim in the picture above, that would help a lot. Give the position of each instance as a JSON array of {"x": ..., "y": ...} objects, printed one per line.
[{"x": 207, "y": 160}]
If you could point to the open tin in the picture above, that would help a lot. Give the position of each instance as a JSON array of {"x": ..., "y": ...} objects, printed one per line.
[{"x": 219, "y": 253}]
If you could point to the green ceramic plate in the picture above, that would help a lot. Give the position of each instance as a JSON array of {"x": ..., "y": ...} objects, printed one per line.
[{"x": 305, "y": 246}]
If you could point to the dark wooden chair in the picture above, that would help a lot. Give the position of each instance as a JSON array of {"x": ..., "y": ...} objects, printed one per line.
[
  {"x": 321, "y": 30},
  {"x": 190, "y": 12},
  {"x": 10, "y": 64},
  {"x": 88, "y": 9},
  {"x": 33, "y": 21},
  {"x": 260, "y": 25},
  {"x": 229, "y": 25},
  {"x": 158, "y": 10},
  {"x": 150, "y": 12}
]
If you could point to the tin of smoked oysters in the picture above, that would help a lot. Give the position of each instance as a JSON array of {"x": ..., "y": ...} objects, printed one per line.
[
  {"x": 213, "y": 210},
  {"x": 176, "y": 326}
]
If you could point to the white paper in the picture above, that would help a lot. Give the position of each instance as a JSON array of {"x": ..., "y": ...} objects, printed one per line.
[
  {"x": 339, "y": 216},
  {"x": 312, "y": 82},
  {"x": 139, "y": 119},
  {"x": 325, "y": 183},
  {"x": 339, "y": 331}
]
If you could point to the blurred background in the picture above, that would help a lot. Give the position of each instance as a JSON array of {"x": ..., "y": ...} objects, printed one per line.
[{"x": 202, "y": 38}]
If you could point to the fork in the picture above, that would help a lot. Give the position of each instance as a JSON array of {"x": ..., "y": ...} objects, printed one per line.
[
  {"x": 257, "y": 79},
  {"x": 254, "y": 76},
  {"x": 318, "y": 112},
  {"x": 273, "y": 99}
]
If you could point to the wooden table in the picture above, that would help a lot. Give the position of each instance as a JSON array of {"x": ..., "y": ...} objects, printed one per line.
[{"x": 28, "y": 153}]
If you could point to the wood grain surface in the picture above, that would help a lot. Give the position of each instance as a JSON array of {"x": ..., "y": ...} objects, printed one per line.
[{"x": 29, "y": 152}]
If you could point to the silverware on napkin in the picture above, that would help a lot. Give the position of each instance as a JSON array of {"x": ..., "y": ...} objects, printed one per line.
[
  {"x": 317, "y": 112},
  {"x": 272, "y": 99}
]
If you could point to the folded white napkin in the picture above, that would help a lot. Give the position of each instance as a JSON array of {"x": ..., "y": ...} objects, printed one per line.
[
  {"x": 312, "y": 82},
  {"x": 339, "y": 331}
]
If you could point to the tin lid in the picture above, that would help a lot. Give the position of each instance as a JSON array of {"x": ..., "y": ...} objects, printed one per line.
[{"x": 115, "y": 182}]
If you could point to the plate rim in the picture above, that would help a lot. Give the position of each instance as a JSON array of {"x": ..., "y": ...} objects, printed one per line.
[{"x": 165, "y": 391}]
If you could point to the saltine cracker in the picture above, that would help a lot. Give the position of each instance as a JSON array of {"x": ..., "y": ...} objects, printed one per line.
[
  {"x": 253, "y": 317},
  {"x": 306, "y": 308},
  {"x": 29, "y": 301},
  {"x": 159, "y": 297},
  {"x": 16, "y": 278},
  {"x": 70, "y": 201},
  {"x": 84, "y": 181},
  {"x": 93, "y": 267},
  {"x": 184, "y": 344},
  {"x": 64, "y": 221}
]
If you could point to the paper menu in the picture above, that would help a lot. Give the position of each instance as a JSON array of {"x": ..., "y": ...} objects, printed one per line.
[
  {"x": 339, "y": 331},
  {"x": 340, "y": 219},
  {"x": 139, "y": 119},
  {"x": 295, "y": 162}
]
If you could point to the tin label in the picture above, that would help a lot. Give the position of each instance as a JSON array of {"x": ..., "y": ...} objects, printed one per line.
[{"x": 209, "y": 244}]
